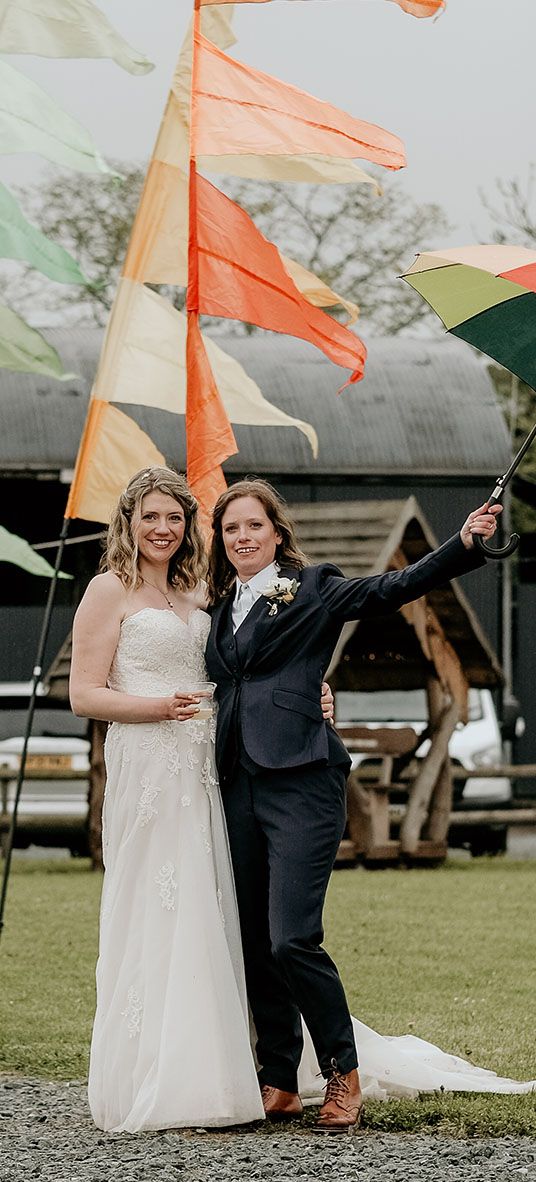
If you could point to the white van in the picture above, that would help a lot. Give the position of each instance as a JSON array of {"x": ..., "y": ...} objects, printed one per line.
[{"x": 474, "y": 744}]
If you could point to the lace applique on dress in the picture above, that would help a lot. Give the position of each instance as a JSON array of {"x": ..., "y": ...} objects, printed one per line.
[
  {"x": 208, "y": 847},
  {"x": 165, "y": 879},
  {"x": 207, "y": 779},
  {"x": 115, "y": 733},
  {"x": 197, "y": 730},
  {"x": 145, "y": 809},
  {"x": 163, "y": 742},
  {"x": 133, "y": 1012},
  {"x": 191, "y": 759}
]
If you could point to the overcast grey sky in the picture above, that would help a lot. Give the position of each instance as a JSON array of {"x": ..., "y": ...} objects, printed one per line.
[{"x": 459, "y": 90}]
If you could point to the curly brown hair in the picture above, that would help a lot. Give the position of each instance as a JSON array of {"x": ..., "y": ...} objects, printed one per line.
[
  {"x": 188, "y": 566},
  {"x": 221, "y": 572}
]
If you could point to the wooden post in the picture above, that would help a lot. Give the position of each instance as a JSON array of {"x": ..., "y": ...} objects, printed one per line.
[
  {"x": 436, "y": 826},
  {"x": 97, "y": 780},
  {"x": 368, "y": 811},
  {"x": 429, "y": 771}
]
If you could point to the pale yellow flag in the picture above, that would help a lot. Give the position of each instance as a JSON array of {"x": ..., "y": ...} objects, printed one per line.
[
  {"x": 143, "y": 362},
  {"x": 317, "y": 292},
  {"x": 111, "y": 450}
]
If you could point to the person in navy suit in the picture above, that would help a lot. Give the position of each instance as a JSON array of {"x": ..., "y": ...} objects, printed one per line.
[{"x": 283, "y": 769}]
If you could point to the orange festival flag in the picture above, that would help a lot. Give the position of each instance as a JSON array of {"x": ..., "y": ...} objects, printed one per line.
[
  {"x": 414, "y": 7},
  {"x": 236, "y": 109},
  {"x": 209, "y": 435},
  {"x": 240, "y": 275}
]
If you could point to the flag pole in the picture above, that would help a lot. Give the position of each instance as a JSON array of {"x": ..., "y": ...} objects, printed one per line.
[
  {"x": 192, "y": 295},
  {"x": 36, "y": 677}
]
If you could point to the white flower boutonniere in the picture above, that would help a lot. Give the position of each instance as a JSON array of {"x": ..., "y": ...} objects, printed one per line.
[{"x": 280, "y": 591}]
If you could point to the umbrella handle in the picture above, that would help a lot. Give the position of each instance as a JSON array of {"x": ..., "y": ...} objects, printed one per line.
[{"x": 513, "y": 541}]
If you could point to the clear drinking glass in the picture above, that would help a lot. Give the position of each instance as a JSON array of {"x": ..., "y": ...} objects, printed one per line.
[{"x": 205, "y": 691}]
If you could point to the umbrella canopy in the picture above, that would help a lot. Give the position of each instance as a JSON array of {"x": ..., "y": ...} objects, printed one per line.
[{"x": 486, "y": 295}]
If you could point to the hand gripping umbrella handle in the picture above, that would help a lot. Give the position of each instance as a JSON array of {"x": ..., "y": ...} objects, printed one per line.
[
  {"x": 496, "y": 498},
  {"x": 513, "y": 541}
]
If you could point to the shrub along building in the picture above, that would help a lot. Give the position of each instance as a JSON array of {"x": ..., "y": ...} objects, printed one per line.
[{"x": 424, "y": 423}]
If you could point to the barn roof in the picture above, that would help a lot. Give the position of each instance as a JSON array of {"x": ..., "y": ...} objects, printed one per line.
[{"x": 424, "y": 407}]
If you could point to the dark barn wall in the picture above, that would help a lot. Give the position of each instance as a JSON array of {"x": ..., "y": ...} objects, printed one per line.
[{"x": 34, "y": 509}]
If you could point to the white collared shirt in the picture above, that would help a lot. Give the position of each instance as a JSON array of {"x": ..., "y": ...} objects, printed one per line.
[{"x": 242, "y": 605}]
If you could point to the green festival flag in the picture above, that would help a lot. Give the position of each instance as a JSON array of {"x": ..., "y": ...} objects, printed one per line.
[
  {"x": 25, "y": 350},
  {"x": 20, "y": 240},
  {"x": 20, "y": 553},
  {"x": 30, "y": 121},
  {"x": 65, "y": 28}
]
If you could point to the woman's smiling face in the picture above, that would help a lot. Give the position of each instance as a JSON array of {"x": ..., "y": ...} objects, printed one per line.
[
  {"x": 161, "y": 528},
  {"x": 249, "y": 537}
]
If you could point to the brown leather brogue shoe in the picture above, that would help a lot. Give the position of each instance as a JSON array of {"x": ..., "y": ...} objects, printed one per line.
[
  {"x": 279, "y": 1105},
  {"x": 343, "y": 1104}
]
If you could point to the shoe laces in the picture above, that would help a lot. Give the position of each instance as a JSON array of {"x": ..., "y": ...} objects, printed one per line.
[{"x": 336, "y": 1088}]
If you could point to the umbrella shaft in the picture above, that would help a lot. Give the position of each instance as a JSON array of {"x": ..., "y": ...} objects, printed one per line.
[{"x": 517, "y": 459}]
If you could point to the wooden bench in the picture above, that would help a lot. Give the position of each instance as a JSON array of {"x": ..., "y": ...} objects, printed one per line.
[{"x": 369, "y": 813}]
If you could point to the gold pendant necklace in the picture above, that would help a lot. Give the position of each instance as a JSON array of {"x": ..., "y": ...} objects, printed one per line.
[{"x": 155, "y": 588}]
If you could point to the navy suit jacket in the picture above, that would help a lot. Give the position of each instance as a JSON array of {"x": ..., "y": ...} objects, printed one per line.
[{"x": 270, "y": 673}]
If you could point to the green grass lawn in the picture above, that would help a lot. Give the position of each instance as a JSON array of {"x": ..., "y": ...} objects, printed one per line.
[{"x": 446, "y": 954}]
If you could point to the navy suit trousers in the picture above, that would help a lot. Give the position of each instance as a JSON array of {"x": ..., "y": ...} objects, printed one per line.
[{"x": 284, "y": 831}]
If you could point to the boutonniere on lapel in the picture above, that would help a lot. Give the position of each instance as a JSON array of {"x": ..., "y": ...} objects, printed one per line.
[{"x": 280, "y": 591}]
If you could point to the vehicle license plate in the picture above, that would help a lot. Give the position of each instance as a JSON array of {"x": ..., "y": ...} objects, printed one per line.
[{"x": 48, "y": 762}]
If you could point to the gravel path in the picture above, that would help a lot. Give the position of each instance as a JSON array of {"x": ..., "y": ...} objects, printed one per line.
[{"x": 46, "y": 1132}]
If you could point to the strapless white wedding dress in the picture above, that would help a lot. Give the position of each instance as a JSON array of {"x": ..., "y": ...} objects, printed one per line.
[
  {"x": 171, "y": 1044},
  {"x": 171, "y": 1039}
]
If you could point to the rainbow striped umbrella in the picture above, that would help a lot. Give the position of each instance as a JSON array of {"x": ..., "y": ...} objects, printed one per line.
[{"x": 485, "y": 295}]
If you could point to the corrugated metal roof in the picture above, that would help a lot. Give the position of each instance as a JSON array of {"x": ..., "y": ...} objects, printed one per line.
[{"x": 424, "y": 407}]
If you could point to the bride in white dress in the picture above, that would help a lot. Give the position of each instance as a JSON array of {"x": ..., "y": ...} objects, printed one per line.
[
  {"x": 171, "y": 1043},
  {"x": 171, "y": 1039}
]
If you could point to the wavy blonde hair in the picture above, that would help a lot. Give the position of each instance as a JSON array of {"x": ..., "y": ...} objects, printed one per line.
[
  {"x": 188, "y": 565},
  {"x": 221, "y": 572}
]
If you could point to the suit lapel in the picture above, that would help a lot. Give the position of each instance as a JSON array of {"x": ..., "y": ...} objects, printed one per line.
[
  {"x": 221, "y": 620},
  {"x": 261, "y": 622}
]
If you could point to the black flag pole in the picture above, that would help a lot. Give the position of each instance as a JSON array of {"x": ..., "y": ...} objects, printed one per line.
[{"x": 36, "y": 677}]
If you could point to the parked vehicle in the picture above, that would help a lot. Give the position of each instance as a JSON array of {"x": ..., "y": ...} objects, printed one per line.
[
  {"x": 474, "y": 744},
  {"x": 53, "y": 810}
]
